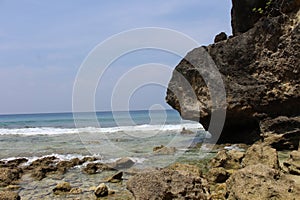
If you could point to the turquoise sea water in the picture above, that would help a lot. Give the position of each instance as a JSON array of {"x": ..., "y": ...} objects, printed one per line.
[{"x": 119, "y": 134}]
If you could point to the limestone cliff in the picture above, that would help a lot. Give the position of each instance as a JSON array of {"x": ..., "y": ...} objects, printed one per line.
[{"x": 260, "y": 68}]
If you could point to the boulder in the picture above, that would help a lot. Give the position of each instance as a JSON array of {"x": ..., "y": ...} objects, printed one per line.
[
  {"x": 9, "y": 195},
  {"x": 101, "y": 190},
  {"x": 41, "y": 172},
  {"x": 123, "y": 163},
  {"x": 46, "y": 161},
  {"x": 260, "y": 182},
  {"x": 75, "y": 191},
  {"x": 167, "y": 184},
  {"x": 64, "y": 165},
  {"x": 16, "y": 162},
  {"x": 259, "y": 153},
  {"x": 62, "y": 188},
  {"x": 220, "y": 37},
  {"x": 163, "y": 150},
  {"x": 115, "y": 178},
  {"x": 293, "y": 164},
  {"x": 93, "y": 168}
]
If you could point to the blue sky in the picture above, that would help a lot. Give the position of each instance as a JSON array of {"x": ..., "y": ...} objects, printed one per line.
[{"x": 43, "y": 43}]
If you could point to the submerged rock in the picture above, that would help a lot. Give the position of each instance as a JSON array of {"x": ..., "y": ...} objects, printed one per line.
[
  {"x": 93, "y": 168},
  {"x": 123, "y": 163},
  {"x": 115, "y": 178},
  {"x": 62, "y": 188},
  {"x": 164, "y": 150}
]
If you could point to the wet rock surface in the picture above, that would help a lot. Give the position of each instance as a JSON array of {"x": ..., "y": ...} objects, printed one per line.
[{"x": 62, "y": 188}]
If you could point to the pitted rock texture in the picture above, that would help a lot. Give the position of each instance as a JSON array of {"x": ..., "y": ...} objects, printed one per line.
[{"x": 260, "y": 69}]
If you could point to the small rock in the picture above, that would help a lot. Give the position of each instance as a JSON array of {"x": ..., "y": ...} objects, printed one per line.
[
  {"x": 9, "y": 195},
  {"x": 185, "y": 131},
  {"x": 123, "y": 163},
  {"x": 101, "y": 190},
  {"x": 93, "y": 168},
  {"x": 76, "y": 191},
  {"x": 115, "y": 178},
  {"x": 220, "y": 37},
  {"x": 164, "y": 150},
  {"x": 62, "y": 187},
  {"x": 88, "y": 159}
]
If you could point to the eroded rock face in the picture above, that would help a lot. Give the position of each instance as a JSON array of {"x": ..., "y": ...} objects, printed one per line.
[
  {"x": 260, "y": 154},
  {"x": 260, "y": 68},
  {"x": 260, "y": 182},
  {"x": 167, "y": 184}
]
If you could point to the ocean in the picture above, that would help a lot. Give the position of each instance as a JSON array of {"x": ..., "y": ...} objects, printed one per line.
[{"x": 121, "y": 134}]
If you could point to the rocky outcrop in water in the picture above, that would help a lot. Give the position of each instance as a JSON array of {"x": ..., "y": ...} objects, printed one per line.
[{"x": 260, "y": 68}]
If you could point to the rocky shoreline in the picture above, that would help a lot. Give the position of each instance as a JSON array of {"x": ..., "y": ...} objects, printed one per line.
[
  {"x": 259, "y": 65},
  {"x": 258, "y": 172}
]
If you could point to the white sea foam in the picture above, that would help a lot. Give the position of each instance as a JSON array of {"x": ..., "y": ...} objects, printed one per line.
[
  {"x": 58, "y": 131},
  {"x": 59, "y": 157}
]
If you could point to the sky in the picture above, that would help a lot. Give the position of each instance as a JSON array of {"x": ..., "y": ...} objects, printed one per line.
[{"x": 44, "y": 43}]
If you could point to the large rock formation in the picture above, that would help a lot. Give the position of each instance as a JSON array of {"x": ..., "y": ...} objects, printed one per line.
[
  {"x": 260, "y": 68},
  {"x": 167, "y": 184}
]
